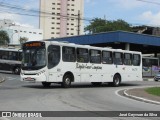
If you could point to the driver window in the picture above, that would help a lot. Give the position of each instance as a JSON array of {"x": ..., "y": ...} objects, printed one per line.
[{"x": 53, "y": 56}]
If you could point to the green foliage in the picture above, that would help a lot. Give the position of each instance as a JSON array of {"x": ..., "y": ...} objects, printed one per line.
[
  {"x": 23, "y": 39},
  {"x": 98, "y": 25},
  {"x": 4, "y": 38},
  {"x": 153, "y": 91}
]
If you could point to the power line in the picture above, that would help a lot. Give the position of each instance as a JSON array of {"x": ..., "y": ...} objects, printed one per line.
[
  {"x": 146, "y": 1},
  {"x": 42, "y": 13}
]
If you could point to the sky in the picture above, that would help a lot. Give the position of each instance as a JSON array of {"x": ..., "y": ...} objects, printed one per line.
[{"x": 135, "y": 12}]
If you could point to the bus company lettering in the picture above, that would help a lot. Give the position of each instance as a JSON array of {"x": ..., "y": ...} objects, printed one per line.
[{"x": 85, "y": 66}]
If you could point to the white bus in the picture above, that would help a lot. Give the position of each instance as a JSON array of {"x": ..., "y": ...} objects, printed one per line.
[
  {"x": 56, "y": 62},
  {"x": 10, "y": 60}
]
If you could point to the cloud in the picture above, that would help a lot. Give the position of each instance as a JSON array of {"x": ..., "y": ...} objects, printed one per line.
[
  {"x": 151, "y": 18},
  {"x": 24, "y": 25},
  {"x": 5, "y": 15}
]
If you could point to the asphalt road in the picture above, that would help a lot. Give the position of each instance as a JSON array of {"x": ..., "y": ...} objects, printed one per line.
[{"x": 20, "y": 96}]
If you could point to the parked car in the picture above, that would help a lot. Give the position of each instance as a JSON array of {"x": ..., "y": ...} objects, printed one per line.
[{"x": 157, "y": 77}]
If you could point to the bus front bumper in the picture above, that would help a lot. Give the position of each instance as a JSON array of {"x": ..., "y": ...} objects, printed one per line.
[{"x": 33, "y": 78}]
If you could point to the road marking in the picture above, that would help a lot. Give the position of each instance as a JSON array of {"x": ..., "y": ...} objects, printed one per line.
[
  {"x": 124, "y": 89},
  {"x": 11, "y": 78}
]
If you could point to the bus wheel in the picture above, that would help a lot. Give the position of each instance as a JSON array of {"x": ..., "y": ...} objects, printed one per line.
[
  {"x": 46, "y": 84},
  {"x": 16, "y": 70},
  {"x": 116, "y": 80},
  {"x": 96, "y": 83},
  {"x": 66, "y": 81}
]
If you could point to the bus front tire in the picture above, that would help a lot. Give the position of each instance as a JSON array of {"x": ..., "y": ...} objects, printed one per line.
[
  {"x": 46, "y": 84},
  {"x": 66, "y": 81},
  {"x": 116, "y": 80}
]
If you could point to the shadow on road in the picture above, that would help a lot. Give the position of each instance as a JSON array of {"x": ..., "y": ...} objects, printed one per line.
[{"x": 58, "y": 86}]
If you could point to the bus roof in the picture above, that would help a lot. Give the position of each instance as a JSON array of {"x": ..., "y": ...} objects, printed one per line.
[{"x": 61, "y": 43}]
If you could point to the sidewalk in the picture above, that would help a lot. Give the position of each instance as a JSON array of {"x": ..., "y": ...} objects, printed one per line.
[
  {"x": 148, "y": 78},
  {"x": 141, "y": 95}
]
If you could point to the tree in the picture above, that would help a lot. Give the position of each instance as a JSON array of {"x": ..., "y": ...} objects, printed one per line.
[
  {"x": 96, "y": 25},
  {"x": 4, "y": 38},
  {"x": 23, "y": 40},
  {"x": 100, "y": 25}
]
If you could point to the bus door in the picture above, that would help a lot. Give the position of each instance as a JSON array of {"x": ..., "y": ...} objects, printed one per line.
[{"x": 53, "y": 61}]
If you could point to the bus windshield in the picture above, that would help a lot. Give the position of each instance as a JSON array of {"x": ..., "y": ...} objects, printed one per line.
[{"x": 34, "y": 59}]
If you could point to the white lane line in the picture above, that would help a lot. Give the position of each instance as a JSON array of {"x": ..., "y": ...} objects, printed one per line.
[
  {"x": 11, "y": 78},
  {"x": 125, "y": 89}
]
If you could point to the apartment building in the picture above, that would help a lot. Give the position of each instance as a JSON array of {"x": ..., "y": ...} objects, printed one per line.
[{"x": 59, "y": 18}]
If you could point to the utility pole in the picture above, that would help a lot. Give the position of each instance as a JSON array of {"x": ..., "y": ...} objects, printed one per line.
[{"x": 79, "y": 17}]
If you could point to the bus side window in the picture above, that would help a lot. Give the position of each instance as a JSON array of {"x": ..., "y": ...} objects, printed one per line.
[
  {"x": 82, "y": 55},
  {"x": 118, "y": 58},
  {"x": 5, "y": 55},
  {"x": 69, "y": 54},
  {"x": 136, "y": 59},
  {"x": 107, "y": 57},
  {"x": 127, "y": 59},
  {"x": 95, "y": 56},
  {"x": 53, "y": 56}
]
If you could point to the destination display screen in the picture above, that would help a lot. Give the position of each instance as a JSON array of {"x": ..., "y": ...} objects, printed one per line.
[{"x": 34, "y": 44}]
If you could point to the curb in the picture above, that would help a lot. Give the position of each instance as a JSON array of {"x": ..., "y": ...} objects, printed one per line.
[
  {"x": 2, "y": 80},
  {"x": 148, "y": 79},
  {"x": 140, "y": 98}
]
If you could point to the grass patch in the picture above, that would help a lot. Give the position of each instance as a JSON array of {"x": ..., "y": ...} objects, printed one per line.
[{"x": 153, "y": 91}]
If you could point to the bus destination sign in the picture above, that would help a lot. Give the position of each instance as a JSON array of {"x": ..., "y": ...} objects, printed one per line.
[{"x": 34, "y": 44}]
